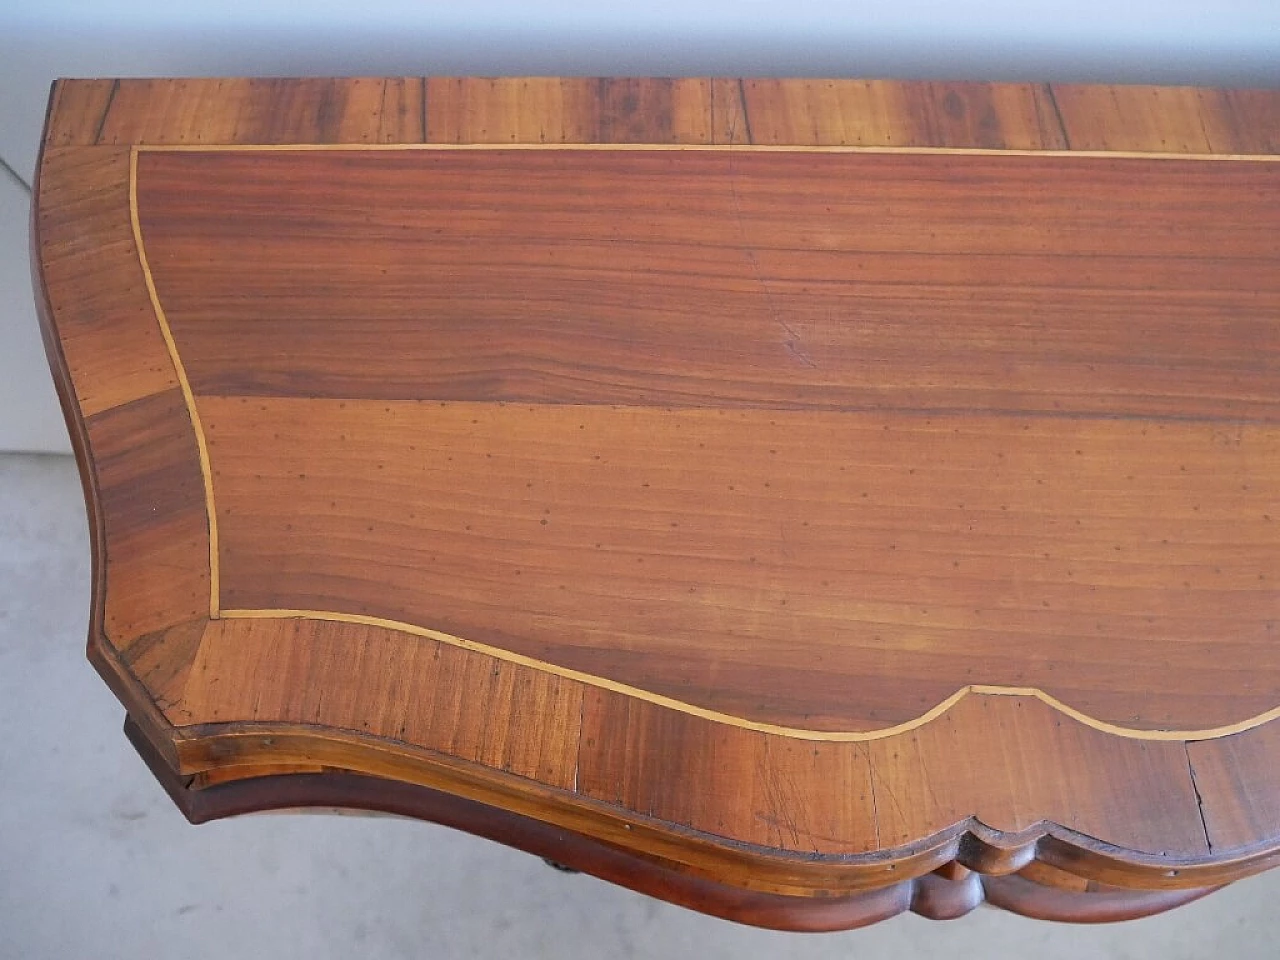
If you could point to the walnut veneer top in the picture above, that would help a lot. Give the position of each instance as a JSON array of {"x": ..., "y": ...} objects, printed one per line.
[{"x": 788, "y": 481}]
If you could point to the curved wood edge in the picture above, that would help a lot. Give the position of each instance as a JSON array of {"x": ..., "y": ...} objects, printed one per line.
[
  {"x": 101, "y": 653},
  {"x": 120, "y": 683},
  {"x": 1022, "y": 896},
  {"x": 931, "y": 895},
  {"x": 593, "y": 795},
  {"x": 240, "y": 752},
  {"x": 66, "y": 391},
  {"x": 745, "y": 723}
]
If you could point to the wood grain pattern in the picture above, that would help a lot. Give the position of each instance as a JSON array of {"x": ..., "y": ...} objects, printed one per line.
[
  {"x": 888, "y": 284},
  {"x": 1173, "y": 119},
  {"x": 431, "y": 695},
  {"x": 935, "y": 895},
  {"x": 903, "y": 556},
  {"x": 238, "y": 110},
  {"x": 113, "y": 347},
  {"x": 727, "y": 782},
  {"x": 894, "y": 114},
  {"x": 152, "y": 498},
  {"x": 580, "y": 110},
  {"x": 1239, "y": 782},
  {"x": 920, "y": 789},
  {"x": 405, "y": 364},
  {"x": 119, "y": 385},
  {"x": 751, "y": 786}
]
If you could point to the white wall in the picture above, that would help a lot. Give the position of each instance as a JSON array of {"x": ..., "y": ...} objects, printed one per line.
[{"x": 1215, "y": 42}]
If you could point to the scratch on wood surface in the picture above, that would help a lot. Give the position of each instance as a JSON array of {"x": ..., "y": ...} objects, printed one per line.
[
  {"x": 1195, "y": 787},
  {"x": 792, "y": 341},
  {"x": 582, "y": 727},
  {"x": 779, "y": 816},
  {"x": 1057, "y": 112},
  {"x": 875, "y": 804},
  {"x": 878, "y": 782}
]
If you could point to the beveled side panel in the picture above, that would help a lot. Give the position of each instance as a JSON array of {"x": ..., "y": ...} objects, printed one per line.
[{"x": 819, "y": 570}]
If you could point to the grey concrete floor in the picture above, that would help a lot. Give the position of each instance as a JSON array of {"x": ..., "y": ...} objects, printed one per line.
[{"x": 96, "y": 863}]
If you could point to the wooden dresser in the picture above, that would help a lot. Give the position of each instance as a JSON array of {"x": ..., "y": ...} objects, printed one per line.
[{"x": 799, "y": 500}]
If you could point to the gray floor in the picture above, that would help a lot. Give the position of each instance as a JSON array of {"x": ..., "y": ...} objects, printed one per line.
[{"x": 95, "y": 863}]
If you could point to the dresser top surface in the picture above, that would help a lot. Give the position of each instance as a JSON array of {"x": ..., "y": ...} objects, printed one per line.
[{"x": 755, "y": 474}]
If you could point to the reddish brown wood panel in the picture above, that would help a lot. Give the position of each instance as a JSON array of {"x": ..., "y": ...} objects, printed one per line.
[
  {"x": 77, "y": 110},
  {"x": 107, "y": 330},
  {"x": 151, "y": 494},
  {"x": 1050, "y": 383},
  {"x": 1239, "y": 783},
  {"x": 407, "y": 689},
  {"x": 574, "y": 110},
  {"x": 893, "y": 792},
  {"x": 823, "y": 280},
  {"x": 1028, "y": 765},
  {"x": 691, "y": 110},
  {"x": 726, "y": 781},
  {"x": 860, "y": 570}
]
